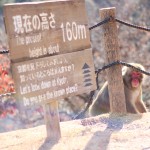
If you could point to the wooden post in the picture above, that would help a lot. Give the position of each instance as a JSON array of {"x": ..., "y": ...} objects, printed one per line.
[
  {"x": 114, "y": 74},
  {"x": 52, "y": 120}
]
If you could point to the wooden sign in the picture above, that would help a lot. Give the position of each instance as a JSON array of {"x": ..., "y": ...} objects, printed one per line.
[
  {"x": 47, "y": 43},
  {"x": 54, "y": 77},
  {"x": 40, "y": 29}
]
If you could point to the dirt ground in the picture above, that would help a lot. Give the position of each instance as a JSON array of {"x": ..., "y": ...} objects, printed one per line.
[{"x": 105, "y": 132}]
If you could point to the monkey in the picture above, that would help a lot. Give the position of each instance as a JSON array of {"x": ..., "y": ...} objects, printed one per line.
[{"x": 132, "y": 80}]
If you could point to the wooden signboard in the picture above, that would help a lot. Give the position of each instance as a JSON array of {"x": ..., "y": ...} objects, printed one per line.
[
  {"x": 50, "y": 53},
  {"x": 55, "y": 77},
  {"x": 40, "y": 29}
]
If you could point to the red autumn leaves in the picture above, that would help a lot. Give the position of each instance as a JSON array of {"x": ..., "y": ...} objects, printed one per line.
[{"x": 6, "y": 82}]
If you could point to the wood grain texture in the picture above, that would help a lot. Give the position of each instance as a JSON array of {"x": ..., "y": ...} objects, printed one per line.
[
  {"x": 52, "y": 120},
  {"x": 114, "y": 75},
  {"x": 71, "y": 14}
]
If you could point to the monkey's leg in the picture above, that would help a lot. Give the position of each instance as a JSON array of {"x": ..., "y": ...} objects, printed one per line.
[
  {"x": 140, "y": 106},
  {"x": 130, "y": 108},
  {"x": 94, "y": 110},
  {"x": 101, "y": 103}
]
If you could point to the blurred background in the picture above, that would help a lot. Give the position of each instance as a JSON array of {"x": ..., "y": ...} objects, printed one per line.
[{"x": 134, "y": 47}]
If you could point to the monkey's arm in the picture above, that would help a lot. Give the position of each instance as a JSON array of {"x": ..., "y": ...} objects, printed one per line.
[
  {"x": 141, "y": 107},
  {"x": 130, "y": 105},
  {"x": 101, "y": 102},
  {"x": 140, "y": 104}
]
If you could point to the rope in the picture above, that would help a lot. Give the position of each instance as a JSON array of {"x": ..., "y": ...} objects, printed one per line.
[
  {"x": 129, "y": 65},
  {"x": 132, "y": 25},
  {"x": 124, "y": 64},
  {"x": 4, "y": 51},
  {"x": 120, "y": 21},
  {"x": 100, "y": 23}
]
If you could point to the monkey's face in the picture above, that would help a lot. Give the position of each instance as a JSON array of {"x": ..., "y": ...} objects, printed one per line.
[
  {"x": 131, "y": 77},
  {"x": 135, "y": 79}
]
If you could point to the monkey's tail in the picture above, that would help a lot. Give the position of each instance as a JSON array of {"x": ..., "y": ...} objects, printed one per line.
[{"x": 81, "y": 114}]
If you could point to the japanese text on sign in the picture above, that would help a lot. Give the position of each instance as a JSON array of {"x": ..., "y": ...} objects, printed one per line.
[
  {"x": 28, "y": 23},
  {"x": 54, "y": 77}
]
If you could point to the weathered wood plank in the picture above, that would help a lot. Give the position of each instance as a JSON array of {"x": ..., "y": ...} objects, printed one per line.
[
  {"x": 52, "y": 120},
  {"x": 46, "y": 28},
  {"x": 54, "y": 77}
]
